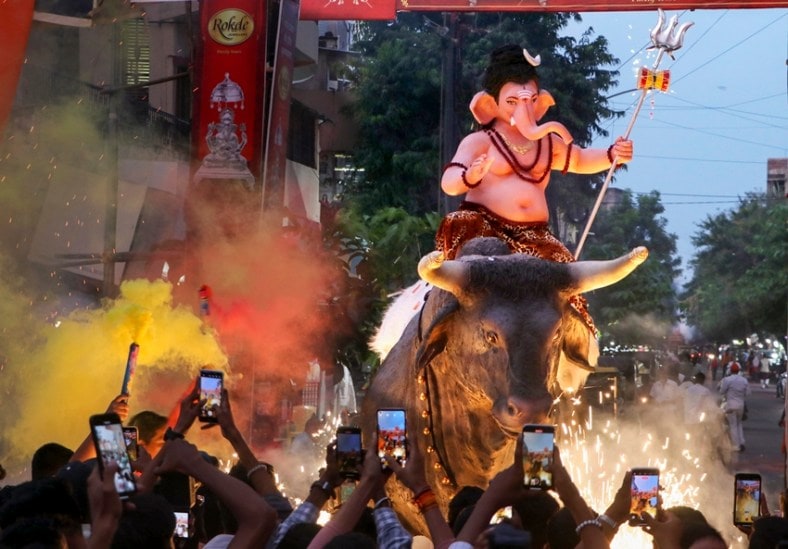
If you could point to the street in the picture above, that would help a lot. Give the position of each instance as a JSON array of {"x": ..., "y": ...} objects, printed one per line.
[{"x": 762, "y": 438}]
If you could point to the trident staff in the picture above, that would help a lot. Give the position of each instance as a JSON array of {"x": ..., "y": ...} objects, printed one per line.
[{"x": 665, "y": 39}]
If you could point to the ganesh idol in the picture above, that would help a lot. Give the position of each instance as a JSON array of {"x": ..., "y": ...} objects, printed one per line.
[{"x": 503, "y": 169}]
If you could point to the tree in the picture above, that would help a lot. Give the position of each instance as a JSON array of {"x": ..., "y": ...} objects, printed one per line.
[
  {"x": 642, "y": 308},
  {"x": 739, "y": 280}
]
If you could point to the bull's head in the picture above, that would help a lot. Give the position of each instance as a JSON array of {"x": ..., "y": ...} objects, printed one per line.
[{"x": 514, "y": 312}]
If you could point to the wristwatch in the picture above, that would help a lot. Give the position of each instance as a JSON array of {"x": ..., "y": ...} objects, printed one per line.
[
  {"x": 169, "y": 434},
  {"x": 325, "y": 486}
]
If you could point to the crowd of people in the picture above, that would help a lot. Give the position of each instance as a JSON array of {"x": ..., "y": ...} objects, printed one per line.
[
  {"x": 711, "y": 399},
  {"x": 70, "y": 502}
]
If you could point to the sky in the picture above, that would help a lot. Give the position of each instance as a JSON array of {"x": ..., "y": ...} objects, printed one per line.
[{"x": 706, "y": 141}]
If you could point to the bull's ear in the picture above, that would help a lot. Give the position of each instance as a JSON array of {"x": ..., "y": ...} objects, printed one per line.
[
  {"x": 579, "y": 353},
  {"x": 435, "y": 336}
]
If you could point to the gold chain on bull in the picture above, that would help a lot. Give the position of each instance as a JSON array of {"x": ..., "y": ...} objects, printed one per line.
[{"x": 426, "y": 414}]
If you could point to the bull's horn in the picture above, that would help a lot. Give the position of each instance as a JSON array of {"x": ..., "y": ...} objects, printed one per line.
[
  {"x": 448, "y": 275},
  {"x": 592, "y": 275}
]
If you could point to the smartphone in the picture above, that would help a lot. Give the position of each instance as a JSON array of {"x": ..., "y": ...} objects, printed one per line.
[
  {"x": 346, "y": 490},
  {"x": 746, "y": 498},
  {"x": 131, "y": 437},
  {"x": 392, "y": 435},
  {"x": 181, "y": 524},
  {"x": 349, "y": 452},
  {"x": 643, "y": 494},
  {"x": 538, "y": 445},
  {"x": 107, "y": 433},
  {"x": 211, "y": 383}
]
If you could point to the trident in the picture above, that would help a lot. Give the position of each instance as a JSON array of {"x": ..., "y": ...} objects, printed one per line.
[{"x": 665, "y": 39}]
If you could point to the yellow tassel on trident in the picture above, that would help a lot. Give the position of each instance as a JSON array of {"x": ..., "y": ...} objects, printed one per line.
[{"x": 653, "y": 80}]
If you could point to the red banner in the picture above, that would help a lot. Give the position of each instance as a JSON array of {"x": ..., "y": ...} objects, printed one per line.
[
  {"x": 229, "y": 100},
  {"x": 354, "y": 10},
  {"x": 279, "y": 118},
  {"x": 15, "y": 20},
  {"x": 578, "y": 5}
]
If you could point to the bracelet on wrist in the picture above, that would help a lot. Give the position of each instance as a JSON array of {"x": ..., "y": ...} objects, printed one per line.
[
  {"x": 589, "y": 522},
  {"x": 382, "y": 502},
  {"x": 454, "y": 165},
  {"x": 324, "y": 487},
  {"x": 261, "y": 466},
  {"x": 611, "y": 158},
  {"x": 424, "y": 500},
  {"x": 468, "y": 183},
  {"x": 604, "y": 519}
]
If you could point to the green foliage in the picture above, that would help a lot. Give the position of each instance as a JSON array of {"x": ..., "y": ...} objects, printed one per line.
[
  {"x": 396, "y": 241},
  {"x": 640, "y": 309},
  {"x": 740, "y": 278}
]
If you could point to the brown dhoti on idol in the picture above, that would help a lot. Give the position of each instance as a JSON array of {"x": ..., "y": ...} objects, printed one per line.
[{"x": 535, "y": 239}]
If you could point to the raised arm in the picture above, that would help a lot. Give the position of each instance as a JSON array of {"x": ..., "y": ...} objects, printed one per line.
[
  {"x": 346, "y": 518},
  {"x": 590, "y": 160},
  {"x": 469, "y": 165},
  {"x": 256, "y": 519},
  {"x": 412, "y": 476},
  {"x": 86, "y": 450}
]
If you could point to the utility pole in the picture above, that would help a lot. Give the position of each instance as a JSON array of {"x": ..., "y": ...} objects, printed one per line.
[{"x": 451, "y": 75}]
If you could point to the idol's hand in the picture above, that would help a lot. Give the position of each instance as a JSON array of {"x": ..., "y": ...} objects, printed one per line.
[
  {"x": 478, "y": 169},
  {"x": 622, "y": 150}
]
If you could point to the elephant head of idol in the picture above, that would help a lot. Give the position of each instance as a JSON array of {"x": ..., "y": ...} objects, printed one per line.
[{"x": 511, "y": 93}]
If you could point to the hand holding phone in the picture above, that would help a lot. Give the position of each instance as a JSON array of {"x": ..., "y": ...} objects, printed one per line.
[
  {"x": 392, "y": 435},
  {"x": 538, "y": 446},
  {"x": 211, "y": 385},
  {"x": 107, "y": 433},
  {"x": 746, "y": 498},
  {"x": 644, "y": 494}
]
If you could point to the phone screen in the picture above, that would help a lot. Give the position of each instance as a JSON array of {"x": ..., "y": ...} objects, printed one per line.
[
  {"x": 181, "y": 524},
  {"x": 346, "y": 490},
  {"x": 747, "y": 498},
  {"x": 130, "y": 436},
  {"x": 644, "y": 494},
  {"x": 538, "y": 446},
  {"x": 392, "y": 435},
  {"x": 349, "y": 453},
  {"x": 111, "y": 447},
  {"x": 211, "y": 382}
]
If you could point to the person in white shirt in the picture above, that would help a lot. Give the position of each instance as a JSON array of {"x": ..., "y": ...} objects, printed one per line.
[
  {"x": 734, "y": 390},
  {"x": 664, "y": 391},
  {"x": 698, "y": 401}
]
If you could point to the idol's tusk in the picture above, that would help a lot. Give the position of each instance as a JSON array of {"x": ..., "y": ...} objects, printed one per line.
[{"x": 534, "y": 61}]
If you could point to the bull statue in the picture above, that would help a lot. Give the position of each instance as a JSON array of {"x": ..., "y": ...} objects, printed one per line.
[{"x": 494, "y": 344}]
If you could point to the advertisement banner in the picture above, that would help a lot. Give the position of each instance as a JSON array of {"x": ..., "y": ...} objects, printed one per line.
[
  {"x": 354, "y": 10},
  {"x": 227, "y": 126},
  {"x": 279, "y": 118},
  {"x": 579, "y": 5},
  {"x": 15, "y": 20}
]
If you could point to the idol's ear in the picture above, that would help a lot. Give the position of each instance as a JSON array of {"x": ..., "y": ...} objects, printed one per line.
[
  {"x": 543, "y": 102},
  {"x": 484, "y": 107}
]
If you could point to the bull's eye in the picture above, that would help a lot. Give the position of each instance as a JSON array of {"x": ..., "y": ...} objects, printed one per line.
[{"x": 491, "y": 337}]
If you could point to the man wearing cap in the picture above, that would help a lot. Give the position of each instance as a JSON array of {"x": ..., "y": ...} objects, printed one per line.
[{"x": 734, "y": 390}]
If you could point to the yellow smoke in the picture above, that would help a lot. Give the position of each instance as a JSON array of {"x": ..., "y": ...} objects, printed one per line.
[{"x": 78, "y": 368}]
